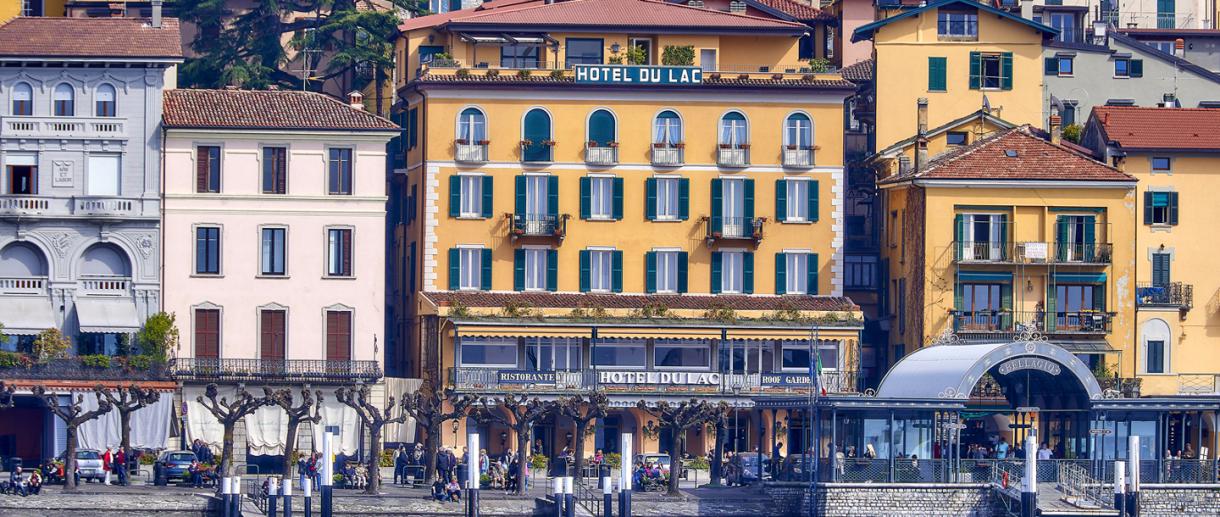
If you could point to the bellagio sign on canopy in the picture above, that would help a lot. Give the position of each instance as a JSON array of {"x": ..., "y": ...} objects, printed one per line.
[{"x": 632, "y": 74}]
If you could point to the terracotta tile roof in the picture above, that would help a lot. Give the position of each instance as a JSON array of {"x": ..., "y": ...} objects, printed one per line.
[
  {"x": 432, "y": 20},
  {"x": 90, "y": 38},
  {"x": 861, "y": 72},
  {"x": 798, "y": 10},
  {"x": 612, "y": 15},
  {"x": 1182, "y": 129},
  {"x": 992, "y": 158},
  {"x": 543, "y": 78},
  {"x": 1215, "y": 33},
  {"x": 636, "y": 301},
  {"x": 258, "y": 109}
]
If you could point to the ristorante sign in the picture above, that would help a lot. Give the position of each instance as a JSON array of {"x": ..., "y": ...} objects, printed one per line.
[
  {"x": 1029, "y": 363},
  {"x": 674, "y": 378},
  {"x": 633, "y": 74}
]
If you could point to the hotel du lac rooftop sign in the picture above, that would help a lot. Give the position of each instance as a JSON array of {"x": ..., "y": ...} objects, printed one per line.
[{"x": 632, "y": 74}]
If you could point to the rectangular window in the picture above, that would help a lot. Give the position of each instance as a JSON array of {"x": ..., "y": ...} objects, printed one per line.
[
  {"x": 518, "y": 56},
  {"x": 207, "y": 333},
  {"x": 980, "y": 308},
  {"x": 796, "y": 273},
  {"x": 1122, "y": 67},
  {"x": 23, "y": 178},
  {"x": 797, "y": 200},
  {"x": 583, "y": 51},
  {"x": 1160, "y": 269},
  {"x": 1069, "y": 113},
  {"x": 1156, "y": 356},
  {"x": 272, "y": 329},
  {"x": 1075, "y": 305},
  {"x": 1065, "y": 65},
  {"x": 667, "y": 271},
  {"x": 796, "y": 357},
  {"x": 956, "y": 138},
  {"x": 1162, "y": 208},
  {"x": 601, "y": 197},
  {"x": 536, "y": 204},
  {"x": 535, "y": 269},
  {"x": 991, "y": 76},
  {"x": 275, "y": 170},
  {"x": 1163, "y": 46},
  {"x": 207, "y": 169},
  {"x": 471, "y": 196},
  {"x": 338, "y": 335},
  {"x": 732, "y": 271},
  {"x": 274, "y": 252},
  {"x": 489, "y": 352},
  {"x": 207, "y": 250},
  {"x": 550, "y": 354},
  {"x": 103, "y": 175},
  {"x": 937, "y": 72},
  {"x": 1161, "y": 164},
  {"x": 339, "y": 252},
  {"x": 629, "y": 353},
  {"x": 860, "y": 272},
  {"x": 957, "y": 25},
  {"x": 674, "y": 353},
  {"x": 1066, "y": 23},
  {"x": 601, "y": 266},
  {"x": 470, "y": 268},
  {"x": 667, "y": 199},
  {"x": 339, "y": 177}
]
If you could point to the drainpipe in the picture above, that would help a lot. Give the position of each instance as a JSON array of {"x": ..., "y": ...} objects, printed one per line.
[{"x": 921, "y": 134}]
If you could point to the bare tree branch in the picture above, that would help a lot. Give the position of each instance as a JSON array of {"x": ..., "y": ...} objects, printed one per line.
[
  {"x": 310, "y": 410},
  {"x": 375, "y": 419},
  {"x": 127, "y": 400},
  {"x": 229, "y": 413},
  {"x": 428, "y": 410},
  {"x": 73, "y": 416}
]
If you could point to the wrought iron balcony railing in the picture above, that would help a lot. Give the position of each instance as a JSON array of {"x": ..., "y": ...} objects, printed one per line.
[
  {"x": 1002, "y": 321},
  {"x": 668, "y": 156},
  {"x": 799, "y": 158},
  {"x": 733, "y": 156},
  {"x": 533, "y": 225},
  {"x": 264, "y": 370},
  {"x": 734, "y": 228},
  {"x": 73, "y": 369},
  {"x": 468, "y": 152},
  {"x": 1032, "y": 252},
  {"x": 1172, "y": 294},
  {"x": 601, "y": 155}
]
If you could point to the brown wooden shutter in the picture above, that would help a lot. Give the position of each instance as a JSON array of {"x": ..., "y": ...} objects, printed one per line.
[
  {"x": 347, "y": 252},
  {"x": 202, "y": 166},
  {"x": 338, "y": 336},
  {"x": 281, "y": 171},
  {"x": 207, "y": 333},
  {"x": 273, "y": 334}
]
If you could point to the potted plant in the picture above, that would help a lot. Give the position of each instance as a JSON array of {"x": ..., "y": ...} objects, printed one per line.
[
  {"x": 462, "y": 73},
  {"x": 791, "y": 147},
  {"x": 658, "y": 145},
  {"x": 592, "y": 143},
  {"x": 548, "y": 143},
  {"x": 612, "y": 144},
  {"x": 493, "y": 73},
  {"x": 743, "y": 77},
  {"x": 714, "y": 77},
  {"x": 557, "y": 74},
  {"x": 523, "y": 74},
  {"x": 777, "y": 77},
  {"x": 526, "y": 142},
  {"x": 461, "y": 141},
  {"x": 484, "y": 142},
  {"x": 743, "y": 146},
  {"x": 680, "y": 145},
  {"x": 726, "y": 146}
]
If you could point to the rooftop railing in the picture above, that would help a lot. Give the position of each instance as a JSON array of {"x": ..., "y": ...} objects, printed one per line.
[{"x": 271, "y": 370}]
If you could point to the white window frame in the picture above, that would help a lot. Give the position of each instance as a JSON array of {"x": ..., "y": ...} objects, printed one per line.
[
  {"x": 502, "y": 341},
  {"x": 804, "y": 346},
  {"x": 601, "y": 197},
  {"x": 262, "y": 257},
  {"x": 601, "y": 270},
  {"x": 600, "y": 343},
  {"x": 470, "y": 196},
  {"x": 536, "y": 196},
  {"x": 732, "y": 270},
  {"x": 793, "y": 279},
  {"x": 668, "y": 199},
  {"x": 682, "y": 343},
  {"x": 470, "y": 268},
  {"x": 666, "y": 280},
  {"x": 797, "y": 203},
  {"x": 535, "y": 268}
]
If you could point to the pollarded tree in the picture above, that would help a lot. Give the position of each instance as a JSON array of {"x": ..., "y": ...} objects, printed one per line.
[
  {"x": 229, "y": 413},
  {"x": 523, "y": 413},
  {"x": 431, "y": 409},
  {"x": 73, "y": 416},
  {"x": 127, "y": 400},
  {"x": 677, "y": 419},
  {"x": 308, "y": 411},
  {"x": 583, "y": 411},
  {"x": 375, "y": 419}
]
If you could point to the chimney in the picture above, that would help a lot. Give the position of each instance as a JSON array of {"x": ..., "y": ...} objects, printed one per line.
[
  {"x": 1100, "y": 30},
  {"x": 921, "y": 134},
  {"x": 355, "y": 100},
  {"x": 1056, "y": 127},
  {"x": 1027, "y": 9},
  {"x": 156, "y": 14},
  {"x": 1179, "y": 47}
]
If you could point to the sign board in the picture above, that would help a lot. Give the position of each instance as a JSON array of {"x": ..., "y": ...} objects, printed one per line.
[
  {"x": 1030, "y": 363},
  {"x": 635, "y": 74},
  {"x": 784, "y": 379},
  {"x": 1028, "y": 409},
  {"x": 1102, "y": 432},
  {"x": 1036, "y": 250},
  {"x": 524, "y": 377},
  {"x": 674, "y": 378},
  {"x": 954, "y": 426},
  {"x": 62, "y": 173}
]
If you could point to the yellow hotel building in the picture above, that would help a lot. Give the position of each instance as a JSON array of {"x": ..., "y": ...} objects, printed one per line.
[{"x": 627, "y": 196}]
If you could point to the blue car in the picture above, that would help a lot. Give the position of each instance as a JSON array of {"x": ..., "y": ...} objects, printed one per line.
[{"x": 173, "y": 465}]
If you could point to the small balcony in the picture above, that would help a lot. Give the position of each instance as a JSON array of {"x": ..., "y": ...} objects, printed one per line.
[
  {"x": 532, "y": 225},
  {"x": 995, "y": 252},
  {"x": 668, "y": 155},
  {"x": 470, "y": 152},
  {"x": 537, "y": 152},
  {"x": 36, "y": 285},
  {"x": 105, "y": 207},
  {"x": 1006, "y": 322},
  {"x": 1171, "y": 295},
  {"x": 318, "y": 371},
  {"x": 733, "y": 155},
  {"x": 28, "y": 206},
  {"x": 489, "y": 380},
  {"x": 596, "y": 155},
  {"x": 1198, "y": 384},
  {"x": 105, "y": 285},
  {"x": 734, "y": 228},
  {"x": 797, "y": 157},
  {"x": 64, "y": 127}
]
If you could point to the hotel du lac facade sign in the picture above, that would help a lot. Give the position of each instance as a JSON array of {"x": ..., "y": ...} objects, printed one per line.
[
  {"x": 633, "y": 74},
  {"x": 652, "y": 378}
]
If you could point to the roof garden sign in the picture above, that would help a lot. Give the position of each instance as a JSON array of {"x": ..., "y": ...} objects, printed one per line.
[{"x": 635, "y": 74}]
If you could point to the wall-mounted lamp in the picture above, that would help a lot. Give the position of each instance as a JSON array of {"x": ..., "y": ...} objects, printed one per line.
[{"x": 615, "y": 48}]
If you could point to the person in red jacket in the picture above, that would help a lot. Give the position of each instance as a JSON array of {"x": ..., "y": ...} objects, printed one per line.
[{"x": 107, "y": 458}]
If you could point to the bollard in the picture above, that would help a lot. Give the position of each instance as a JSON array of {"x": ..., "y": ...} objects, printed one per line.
[
  {"x": 236, "y": 512},
  {"x": 328, "y": 477},
  {"x": 557, "y": 492},
  {"x": 607, "y": 496},
  {"x": 272, "y": 493},
  {"x": 286, "y": 491},
  {"x": 474, "y": 470},
  {"x": 1133, "y": 484},
  {"x": 308, "y": 488},
  {"x": 569, "y": 498},
  {"x": 624, "y": 492},
  {"x": 226, "y": 497},
  {"x": 1029, "y": 483},
  {"x": 1120, "y": 487}
]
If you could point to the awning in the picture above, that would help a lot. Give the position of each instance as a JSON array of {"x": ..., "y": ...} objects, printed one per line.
[
  {"x": 107, "y": 315},
  {"x": 645, "y": 332},
  {"x": 522, "y": 331},
  {"x": 26, "y": 316},
  {"x": 1094, "y": 346}
]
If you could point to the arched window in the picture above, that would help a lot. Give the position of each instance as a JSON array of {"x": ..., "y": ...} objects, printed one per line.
[
  {"x": 105, "y": 101},
  {"x": 733, "y": 130},
  {"x": 105, "y": 260},
  {"x": 601, "y": 128},
  {"x": 798, "y": 131},
  {"x": 22, "y": 260},
  {"x": 472, "y": 126},
  {"x": 536, "y": 136},
  {"x": 23, "y": 100},
  {"x": 1157, "y": 341},
  {"x": 65, "y": 100},
  {"x": 667, "y": 129}
]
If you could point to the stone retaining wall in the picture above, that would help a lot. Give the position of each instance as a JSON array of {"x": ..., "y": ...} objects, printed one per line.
[
  {"x": 1177, "y": 500},
  {"x": 885, "y": 499}
]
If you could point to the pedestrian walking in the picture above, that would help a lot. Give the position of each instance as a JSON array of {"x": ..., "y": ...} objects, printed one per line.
[{"x": 107, "y": 464}]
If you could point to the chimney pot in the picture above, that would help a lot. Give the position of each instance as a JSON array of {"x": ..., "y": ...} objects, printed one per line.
[
  {"x": 355, "y": 100},
  {"x": 921, "y": 135},
  {"x": 156, "y": 13},
  {"x": 1056, "y": 123}
]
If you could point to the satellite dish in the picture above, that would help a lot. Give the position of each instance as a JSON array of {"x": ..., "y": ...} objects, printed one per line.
[
  {"x": 1056, "y": 103},
  {"x": 986, "y": 104}
]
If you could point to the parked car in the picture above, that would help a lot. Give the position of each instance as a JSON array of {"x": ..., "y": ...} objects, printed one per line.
[
  {"x": 797, "y": 467},
  {"x": 89, "y": 464},
  {"x": 173, "y": 465},
  {"x": 749, "y": 464}
]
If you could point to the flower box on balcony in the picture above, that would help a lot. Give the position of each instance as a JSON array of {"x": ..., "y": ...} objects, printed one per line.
[
  {"x": 658, "y": 145},
  {"x": 484, "y": 142},
  {"x": 612, "y": 144},
  {"x": 461, "y": 141}
]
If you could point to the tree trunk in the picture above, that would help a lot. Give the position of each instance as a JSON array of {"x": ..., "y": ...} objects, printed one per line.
[
  {"x": 125, "y": 426},
  {"x": 226, "y": 452},
  {"x": 374, "y": 485},
  {"x": 717, "y": 465},
  {"x": 430, "y": 449},
  {"x": 70, "y": 460},
  {"x": 675, "y": 460},
  {"x": 578, "y": 448},
  {"x": 290, "y": 446},
  {"x": 523, "y": 466}
]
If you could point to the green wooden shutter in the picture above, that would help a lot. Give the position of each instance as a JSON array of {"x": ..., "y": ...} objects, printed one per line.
[
  {"x": 812, "y": 273},
  {"x": 488, "y": 198},
  {"x": 584, "y": 271},
  {"x": 617, "y": 204},
  {"x": 455, "y": 269},
  {"x": 976, "y": 66},
  {"x": 1136, "y": 67},
  {"x": 747, "y": 273},
  {"x": 1006, "y": 305},
  {"x": 485, "y": 265},
  {"x": 650, "y": 272},
  {"x": 519, "y": 269},
  {"x": 455, "y": 196},
  {"x": 717, "y": 206},
  {"x": 749, "y": 202},
  {"x": 717, "y": 259},
  {"x": 552, "y": 198},
  {"x": 682, "y": 260},
  {"x": 1061, "y": 238},
  {"x": 616, "y": 271},
  {"x": 781, "y": 200},
  {"x": 552, "y": 270},
  {"x": 1099, "y": 297},
  {"x": 1006, "y": 71},
  {"x": 937, "y": 68},
  {"x": 413, "y": 127},
  {"x": 781, "y": 273},
  {"x": 1003, "y": 236},
  {"x": 586, "y": 197},
  {"x": 1173, "y": 208},
  {"x": 1147, "y": 208},
  {"x": 1051, "y": 312},
  {"x": 519, "y": 203},
  {"x": 959, "y": 235},
  {"x": 814, "y": 202},
  {"x": 1088, "y": 247},
  {"x": 650, "y": 199},
  {"x": 957, "y": 295},
  {"x": 1050, "y": 66},
  {"x": 683, "y": 199}
]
